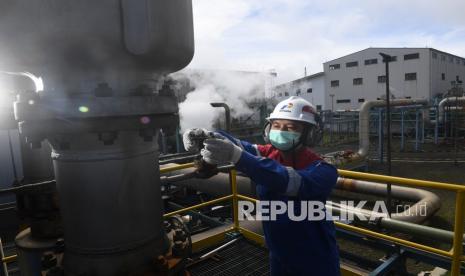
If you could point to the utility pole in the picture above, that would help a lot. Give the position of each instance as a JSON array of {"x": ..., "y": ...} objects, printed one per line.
[{"x": 386, "y": 59}]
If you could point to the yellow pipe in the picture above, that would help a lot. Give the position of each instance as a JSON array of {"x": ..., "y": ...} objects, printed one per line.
[
  {"x": 232, "y": 178},
  {"x": 177, "y": 167},
  {"x": 393, "y": 239},
  {"x": 224, "y": 198},
  {"x": 401, "y": 180},
  {"x": 247, "y": 198},
  {"x": 458, "y": 233},
  {"x": 9, "y": 259}
]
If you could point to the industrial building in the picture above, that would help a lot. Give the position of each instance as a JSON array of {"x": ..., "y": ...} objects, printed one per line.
[
  {"x": 424, "y": 73},
  {"x": 311, "y": 88},
  {"x": 348, "y": 81}
]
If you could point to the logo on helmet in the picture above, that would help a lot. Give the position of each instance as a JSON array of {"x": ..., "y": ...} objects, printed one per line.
[
  {"x": 308, "y": 109},
  {"x": 287, "y": 106}
]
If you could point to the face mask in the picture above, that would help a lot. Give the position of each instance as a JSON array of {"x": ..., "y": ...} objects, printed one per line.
[{"x": 284, "y": 140}]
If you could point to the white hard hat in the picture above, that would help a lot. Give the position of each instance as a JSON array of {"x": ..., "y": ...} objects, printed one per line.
[{"x": 296, "y": 109}]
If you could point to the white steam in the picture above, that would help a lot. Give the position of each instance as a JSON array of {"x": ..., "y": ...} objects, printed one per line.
[{"x": 235, "y": 88}]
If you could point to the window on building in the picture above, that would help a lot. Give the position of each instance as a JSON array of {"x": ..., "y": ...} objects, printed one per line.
[
  {"x": 309, "y": 90},
  {"x": 280, "y": 94},
  {"x": 361, "y": 100},
  {"x": 318, "y": 107},
  {"x": 464, "y": 62},
  {"x": 393, "y": 58},
  {"x": 298, "y": 92},
  {"x": 451, "y": 59},
  {"x": 408, "y": 97},
  {"x": 286, "y": 93},
  {"x": 412, "y": 56},
  {"x": 334, "y": 83},
  {"x": 434, "y": 55},
  {"x": 358, "y": 81},
  {"x": 443, "y": 76},
  {"x": 334, "y": 66},
  {"x": 371, "y": 61},
  {"x": 410, "y": 76},
  {"x": 457, "y": 60},
  {"x": 343, "y": 101},
  {"x": 443, "y": 58},
  {"x": 352, "y": 64},
  {"x": 382, "y": 79}
]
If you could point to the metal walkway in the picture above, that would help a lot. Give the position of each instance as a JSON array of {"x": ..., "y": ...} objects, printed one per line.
[{"x": 240, "y": 258}]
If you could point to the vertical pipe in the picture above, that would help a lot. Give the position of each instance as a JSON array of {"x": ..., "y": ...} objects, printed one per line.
[
  {"x": 417, "y": 125},
  {"x": 331, "y": 126},
  {"x": 232, "y": 179},
  {"x": 457, "y": 247},
  {"x": 2, "y": 256},
  {"x": 422, "y": 129},
  {"x": 227, "y": 114},
  {"x": 178, "y": 140},
  {"x": 445, "y": 122},
  {"x": 436, "y": 125},
  {"x": 402, "y": 140},
  {"x": 455, "y": 130}
]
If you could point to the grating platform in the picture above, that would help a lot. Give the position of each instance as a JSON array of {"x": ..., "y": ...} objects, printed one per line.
[{"x": 239, "y": 258}]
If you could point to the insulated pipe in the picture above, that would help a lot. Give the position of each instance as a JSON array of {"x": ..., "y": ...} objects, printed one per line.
[
  {"x": 219, "y": 185},
  {"x": 421, "y": 198},
  {"x": 364, "y": 120},
  {"x": 403, "y": 222},
  {"x": 448, "y": 101},
  {"x": 385, "y": 222}
]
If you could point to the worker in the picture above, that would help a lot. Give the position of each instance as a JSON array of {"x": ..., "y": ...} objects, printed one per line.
[{"x": 284, "y": 169}]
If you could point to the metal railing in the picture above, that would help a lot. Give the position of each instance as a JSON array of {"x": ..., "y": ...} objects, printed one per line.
[{"x": 455, "y": 254}]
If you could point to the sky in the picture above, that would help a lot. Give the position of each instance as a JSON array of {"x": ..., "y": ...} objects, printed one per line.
[{"x": 289, "y": 35}]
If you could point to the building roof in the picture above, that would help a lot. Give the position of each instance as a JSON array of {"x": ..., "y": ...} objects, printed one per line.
[
  {"x": 319, "y": 74},
  {"x": 412, "y": 48}
]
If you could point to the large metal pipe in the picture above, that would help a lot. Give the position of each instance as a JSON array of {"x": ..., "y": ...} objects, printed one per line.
[
  {"x": 448, "y": 101},
  {"x": 404, "y": 221},
  {"x": 219, "y": 185},
  {"x": 429, "y": 200},
  {"x": 111, "y": 208},
  {"x": 364, "y": 120}
]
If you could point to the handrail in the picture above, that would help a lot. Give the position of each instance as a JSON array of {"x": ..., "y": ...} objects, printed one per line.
[
  {"x": 455, "y": 254},
  {"x": 402, "y": 181}
]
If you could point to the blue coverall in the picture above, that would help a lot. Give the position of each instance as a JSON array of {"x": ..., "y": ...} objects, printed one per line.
[{"x": 296, "y": 247}]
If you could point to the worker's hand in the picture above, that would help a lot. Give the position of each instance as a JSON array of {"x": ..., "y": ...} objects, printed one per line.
[
  {"x": 220, "y": 151},
  {"x": 192, "y": 138}
]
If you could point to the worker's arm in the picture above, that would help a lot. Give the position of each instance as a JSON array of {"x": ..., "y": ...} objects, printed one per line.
[
  {"x": 246, "y": 146},
  {"x": 315, "y": 181}
]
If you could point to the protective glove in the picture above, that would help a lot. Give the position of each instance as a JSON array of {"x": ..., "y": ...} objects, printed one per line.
[
  {"x": 192, "y": 138},
  {"x": 220, "y": 151}
]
